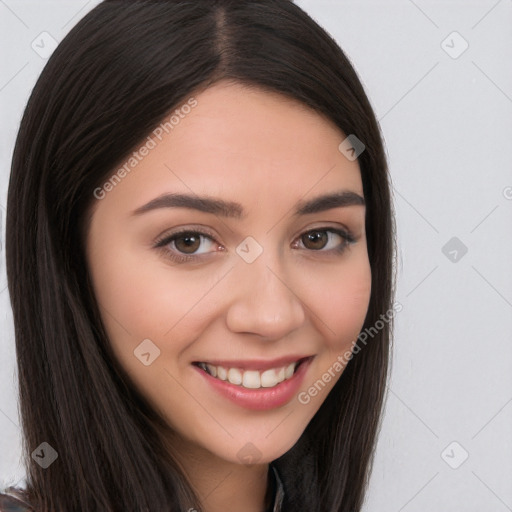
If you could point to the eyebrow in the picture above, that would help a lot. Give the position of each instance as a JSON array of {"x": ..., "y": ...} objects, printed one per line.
[{"x": 235, "y": 210}]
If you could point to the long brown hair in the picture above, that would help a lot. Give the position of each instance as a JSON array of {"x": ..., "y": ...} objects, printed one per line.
[{"x": 111, "y": 81}]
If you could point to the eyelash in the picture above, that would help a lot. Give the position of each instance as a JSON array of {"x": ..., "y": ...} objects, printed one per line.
[{"x": 161, "y": 243}]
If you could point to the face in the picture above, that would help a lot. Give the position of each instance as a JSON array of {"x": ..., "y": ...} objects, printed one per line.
[{"x": 228, "y": 313}]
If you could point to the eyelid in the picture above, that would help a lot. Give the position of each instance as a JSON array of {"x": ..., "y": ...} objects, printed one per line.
[
  {"x": 163, "y": 240},
  {"x": 200, "y": 230}
]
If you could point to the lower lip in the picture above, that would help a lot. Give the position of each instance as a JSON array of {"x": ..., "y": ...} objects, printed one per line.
[{"x": 260, "y": 399}]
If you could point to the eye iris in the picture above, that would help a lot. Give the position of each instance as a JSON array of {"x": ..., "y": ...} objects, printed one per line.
[
  {"x": 315, "y": 236},
  {"x": 191, "y": 242}
]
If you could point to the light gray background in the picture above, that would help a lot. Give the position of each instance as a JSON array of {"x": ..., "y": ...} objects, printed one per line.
[{"x": 447, "y": 123}]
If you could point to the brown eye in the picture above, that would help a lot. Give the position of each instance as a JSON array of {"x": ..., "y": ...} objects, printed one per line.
[
  {"x": 326, "y": 240},
  {"x": 185, "y": 246},
  {"x": 187, "y": 243},
  {"x": 315, "y": 240}
]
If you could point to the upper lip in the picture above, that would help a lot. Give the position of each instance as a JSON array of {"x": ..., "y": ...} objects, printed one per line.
[{"x": 255, "y": 364}]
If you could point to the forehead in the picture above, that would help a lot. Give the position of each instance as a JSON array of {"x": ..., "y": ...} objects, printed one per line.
[{"x": 242, "y": 144}]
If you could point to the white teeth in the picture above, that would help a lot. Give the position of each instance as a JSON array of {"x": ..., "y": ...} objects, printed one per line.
[
  {"x": 271, "y": 378},
  {"x": 251, "y": 379},
  {"x": 288, "y": 372},
  {"x": 235, "y": 376}
]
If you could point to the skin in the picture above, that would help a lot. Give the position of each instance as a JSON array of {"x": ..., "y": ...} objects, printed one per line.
[{"x": 266, "y": 152}]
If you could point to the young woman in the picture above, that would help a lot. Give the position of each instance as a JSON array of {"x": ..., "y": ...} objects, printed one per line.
[{"x": 199, "y": 227}]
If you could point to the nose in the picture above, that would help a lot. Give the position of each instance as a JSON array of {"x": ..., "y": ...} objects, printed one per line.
[{"x": 264, "y": 301}]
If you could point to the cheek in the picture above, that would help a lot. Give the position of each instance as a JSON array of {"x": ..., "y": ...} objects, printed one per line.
[
  {"x": 142, "y": 298},
  {"x": 339, "y": 301}
]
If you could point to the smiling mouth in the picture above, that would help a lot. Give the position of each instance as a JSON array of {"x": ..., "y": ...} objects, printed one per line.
[{"x": 252, "y": 379}]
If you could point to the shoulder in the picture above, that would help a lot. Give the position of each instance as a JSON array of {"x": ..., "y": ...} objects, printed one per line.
[{"x": 9, "y": 503}]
